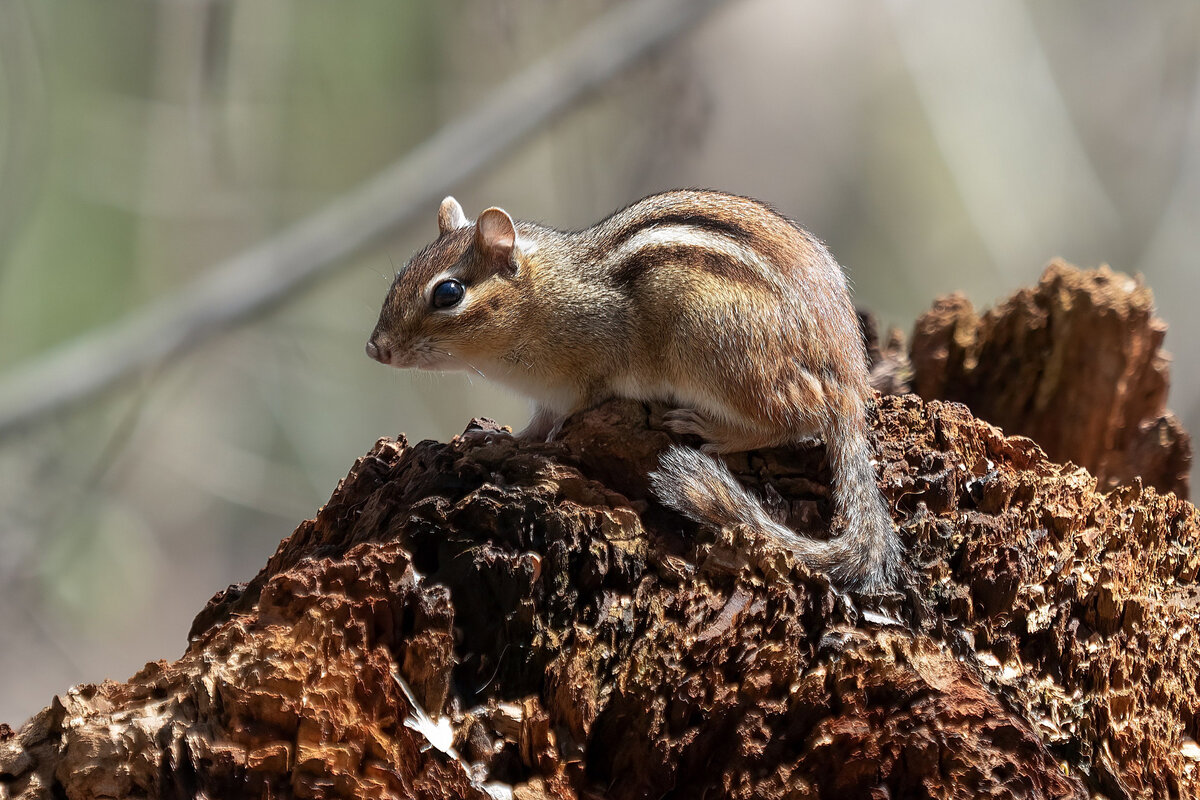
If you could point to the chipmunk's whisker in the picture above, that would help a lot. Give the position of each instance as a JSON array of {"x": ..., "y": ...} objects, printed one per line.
[{"x": 463, "y": 360}]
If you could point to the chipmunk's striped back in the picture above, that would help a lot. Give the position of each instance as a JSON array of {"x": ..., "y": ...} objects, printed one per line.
[{"x": 710, "y": 301}]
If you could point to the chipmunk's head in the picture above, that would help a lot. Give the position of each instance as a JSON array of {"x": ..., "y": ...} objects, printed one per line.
[{"x": 456, "y": 301}]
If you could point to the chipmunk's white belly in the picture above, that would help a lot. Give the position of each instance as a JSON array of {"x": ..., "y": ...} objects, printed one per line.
[
  {"x": 635, "y": 387},
  {"x": 557, "y": 395}
]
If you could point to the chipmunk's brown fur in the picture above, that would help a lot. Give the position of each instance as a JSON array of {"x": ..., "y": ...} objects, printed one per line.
[{"x": 706, "y": 300}]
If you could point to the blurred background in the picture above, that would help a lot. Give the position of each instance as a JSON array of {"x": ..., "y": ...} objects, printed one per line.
[{"x": 935, "y": 146}]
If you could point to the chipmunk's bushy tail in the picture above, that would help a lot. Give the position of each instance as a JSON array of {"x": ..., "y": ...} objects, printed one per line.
[{"x": 865, "y": 557}]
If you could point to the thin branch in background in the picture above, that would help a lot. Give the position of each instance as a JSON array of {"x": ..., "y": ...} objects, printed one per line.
[
  {"x": 52, "y": 517},
  {"x": 242, "y": 287}
]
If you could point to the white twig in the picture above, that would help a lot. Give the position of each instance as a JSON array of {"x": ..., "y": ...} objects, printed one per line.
[
  {"x": 237, "y": 289},
  {"x": 438, "y": 734}
]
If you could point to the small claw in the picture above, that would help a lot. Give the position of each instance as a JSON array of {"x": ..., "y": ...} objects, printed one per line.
[{"x": 685, "y": 421}]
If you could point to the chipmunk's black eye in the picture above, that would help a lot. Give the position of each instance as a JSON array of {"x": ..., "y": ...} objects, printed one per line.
[{"x": 447, "y": 294}]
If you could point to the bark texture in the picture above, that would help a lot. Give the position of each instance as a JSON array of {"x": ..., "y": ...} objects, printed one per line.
[
  {"x": 1075, "y": 363},
  {"x": 489, "y": 618}
]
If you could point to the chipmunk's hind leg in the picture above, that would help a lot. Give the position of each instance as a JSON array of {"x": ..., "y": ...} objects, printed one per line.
[{"x": 722, "y": 437}]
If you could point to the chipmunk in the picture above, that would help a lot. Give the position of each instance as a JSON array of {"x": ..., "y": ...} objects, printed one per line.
[{"x": 712, "y": 302}]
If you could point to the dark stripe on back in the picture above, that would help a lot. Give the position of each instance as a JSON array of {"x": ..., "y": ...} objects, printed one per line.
[
  {"x": 720, "y": 265},
  {"x": 706, "y": 222}
]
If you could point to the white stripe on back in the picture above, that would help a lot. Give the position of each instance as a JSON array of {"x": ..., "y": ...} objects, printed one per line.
[{"x": 693, "y": 237}]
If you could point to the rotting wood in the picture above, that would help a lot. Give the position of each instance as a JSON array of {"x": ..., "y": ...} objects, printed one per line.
[
  {"x": 567, "y": 637},
  {"x": 1075, "y": 363}
]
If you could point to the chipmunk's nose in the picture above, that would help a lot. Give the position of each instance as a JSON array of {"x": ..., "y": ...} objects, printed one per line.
[{"x": 378, "y": 353}]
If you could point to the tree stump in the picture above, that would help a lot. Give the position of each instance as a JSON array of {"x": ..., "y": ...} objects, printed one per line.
[
  {"x": 488, "y": 618},
  {"x": 1076, "y": 364}
]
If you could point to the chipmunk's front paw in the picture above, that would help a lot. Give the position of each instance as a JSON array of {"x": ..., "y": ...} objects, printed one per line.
[{"x": 543, "y": 427}]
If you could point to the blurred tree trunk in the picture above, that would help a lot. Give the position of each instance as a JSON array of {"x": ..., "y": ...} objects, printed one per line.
[{"x": 487, "y": 618}]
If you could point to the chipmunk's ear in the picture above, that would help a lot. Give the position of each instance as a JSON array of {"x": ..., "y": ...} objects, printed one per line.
[
  {"x": 496, "y": 238},
  {"x": 451, "y": 216}
]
